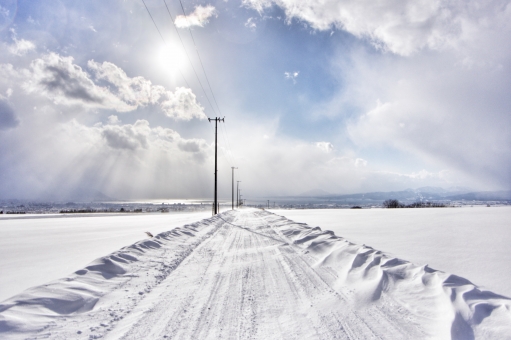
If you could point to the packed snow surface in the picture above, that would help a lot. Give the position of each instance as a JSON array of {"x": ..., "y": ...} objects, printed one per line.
[
  {"x": 254, "y": 274},
  {"x": 35, "y": 249},
  {"x": 472, "y": 242}
]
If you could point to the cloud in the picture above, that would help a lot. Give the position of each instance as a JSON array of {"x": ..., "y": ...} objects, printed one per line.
[
  {"x": 21, "y": 47},
  {"x": 181, "y": 104},
  {"x": 251, "y": 24},
  {"x": 167, "y": 134},
  {"x": 292, "y": 76},
  {"x": 8, "y": 119},
  {"x": 59, "y": 79},
  {"x": 127, "y": 136},
  {"x": 360, "y": 162},
  {"x": 325, "y": 146},
  {"x": 129, "y": 160},
  {"x": 199, "y": 17},
  {"x": 65, "y": 83},
  {"x": 113, "y": 119},
  {"x": 402, "y": 27},
  {"x": 434, "y": 108}
]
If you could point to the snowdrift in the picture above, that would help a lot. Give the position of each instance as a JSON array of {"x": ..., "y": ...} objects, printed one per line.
[
  {"x": 448, "y": 303},
  {"x": 98, "y": 297}
]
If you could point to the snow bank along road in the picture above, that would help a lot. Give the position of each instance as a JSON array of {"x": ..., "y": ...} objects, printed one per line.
[
  {"x": 472, "y": 242},
  {"x": 35, "y": 249},
  {"x": 253, "y": 274}
]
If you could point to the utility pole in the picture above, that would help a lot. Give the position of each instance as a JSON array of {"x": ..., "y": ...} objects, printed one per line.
[
  {"x": 233, "y": 186},
  {"x": 216, "y": 119},
  {"x": 268, "y": 204},
  {"x": 237, "y": 194}
]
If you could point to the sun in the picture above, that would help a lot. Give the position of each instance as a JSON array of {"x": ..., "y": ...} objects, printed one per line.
[{"x": 171, "y": 58}]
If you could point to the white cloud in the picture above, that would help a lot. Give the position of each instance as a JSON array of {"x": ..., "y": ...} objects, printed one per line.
[
  {"x": 21, "y": 47},
  {"x": 292, "y": 75},
  {"x": 180, "y": 104},
  {"x": 360, "y": 162},
  {"x": 93, "y": 29},
  {"x": 30, "y": 20},
  {"x": 251, "y": 24},
  {"x": 325, "y": 146},
  {"x": 434, "y": 109},
  {"x": 113, "y": 119},
  {"x": 402, "y": 27},
  {"x": 199, "y": 17},
  {"x": 65, "y": 83}
]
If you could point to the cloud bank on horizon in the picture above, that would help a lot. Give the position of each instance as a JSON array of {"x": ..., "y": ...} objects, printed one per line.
[{"x": 344, "y": 96}]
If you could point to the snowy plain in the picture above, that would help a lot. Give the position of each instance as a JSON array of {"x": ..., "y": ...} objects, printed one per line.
[
  {"x": 472, "y": 242},
  {"x": 35, "y": 249},
  {"x": 253, "y": 274}
]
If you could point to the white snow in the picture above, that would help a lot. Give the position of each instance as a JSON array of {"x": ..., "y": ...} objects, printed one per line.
[
  {"x": 472, "y": 242},
  {"x": 253, "y": 274},
  {"x": 35, "y": 249}
]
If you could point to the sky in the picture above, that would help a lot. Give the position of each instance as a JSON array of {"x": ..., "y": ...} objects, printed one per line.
[{"x": 342, "y": 96}]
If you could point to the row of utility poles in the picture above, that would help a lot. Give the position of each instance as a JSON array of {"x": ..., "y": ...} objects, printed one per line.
[
  {"x": 238, "y": 191},
  {"x": 239, "y": 200}
]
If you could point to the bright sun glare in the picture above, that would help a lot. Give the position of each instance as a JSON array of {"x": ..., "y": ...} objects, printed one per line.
[{"x": 171, "y": 58}]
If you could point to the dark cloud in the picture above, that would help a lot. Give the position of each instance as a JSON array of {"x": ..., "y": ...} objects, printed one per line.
[
  {"x": 61, "y": 80},
  {"x": 8, "y": 119}
]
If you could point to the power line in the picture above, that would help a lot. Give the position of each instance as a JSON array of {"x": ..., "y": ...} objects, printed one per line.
[
  {"x": 227, "y": 144},
  {"x": 230, "y": 154},
  {"x": 161, "y": 36},
  {"x": 189, "y": 59},
  {"x": 200, "y": 59},
  {"x": 224, "y": 126}
]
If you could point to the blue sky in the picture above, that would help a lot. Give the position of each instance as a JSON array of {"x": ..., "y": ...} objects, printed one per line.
[{"x": 343, "y": 96}]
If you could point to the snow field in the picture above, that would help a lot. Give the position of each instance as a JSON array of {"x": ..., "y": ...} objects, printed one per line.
[{"x": 253, "y": 274}]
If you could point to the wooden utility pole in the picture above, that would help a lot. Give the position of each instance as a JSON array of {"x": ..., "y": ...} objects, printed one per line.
[
  {"x": 233, "y": 186},
  {"x": 216, "y": 119},
  {"x": 238, "y": 194}
]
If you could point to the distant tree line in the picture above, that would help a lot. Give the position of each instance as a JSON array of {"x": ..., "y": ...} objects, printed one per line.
[{"x": 392, "y": 203}]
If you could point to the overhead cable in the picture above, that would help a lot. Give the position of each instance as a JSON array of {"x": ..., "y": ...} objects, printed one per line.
[
  {"x": 161, "y": 36},
  {"x": 189, "y": 59},
  {"x": 200, "y": 60}
]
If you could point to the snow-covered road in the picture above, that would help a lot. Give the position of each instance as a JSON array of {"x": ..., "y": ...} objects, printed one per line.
[{"x": 253, "y": 274}]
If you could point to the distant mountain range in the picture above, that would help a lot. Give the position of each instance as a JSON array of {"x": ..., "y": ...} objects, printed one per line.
[
  {"x": 424, "y": 193},
  {"x": 314, "y": 193}
]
